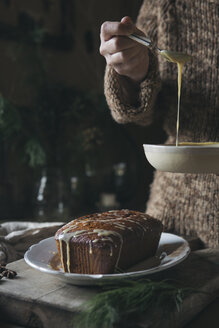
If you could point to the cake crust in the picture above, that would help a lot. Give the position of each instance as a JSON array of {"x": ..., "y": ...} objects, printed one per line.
[{"x": 99, "y": 243}]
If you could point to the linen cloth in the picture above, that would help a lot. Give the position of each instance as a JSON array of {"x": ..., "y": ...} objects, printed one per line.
[{"x": 16, "y": 237}]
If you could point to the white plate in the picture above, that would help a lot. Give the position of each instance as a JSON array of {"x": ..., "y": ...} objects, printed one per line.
[
  {"x": 191, "y": 158},
  {"x": 174, "y": 249}
]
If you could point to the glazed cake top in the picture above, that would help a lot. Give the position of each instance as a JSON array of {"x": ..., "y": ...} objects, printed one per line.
[{"x": 105, "y": 226}]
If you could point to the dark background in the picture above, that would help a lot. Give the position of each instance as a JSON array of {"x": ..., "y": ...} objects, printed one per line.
[{"x": 61, "y": 153}]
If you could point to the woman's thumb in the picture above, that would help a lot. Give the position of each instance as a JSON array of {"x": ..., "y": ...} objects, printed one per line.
[{"x": 126, "y": 20}]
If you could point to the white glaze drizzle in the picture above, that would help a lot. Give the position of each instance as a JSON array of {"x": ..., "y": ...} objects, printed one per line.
[
  {"x": 120, "y": 250},
  {"x": 106, "y": 239},
  {"x": 61, "y": 252},
  {"x": 68, "y": 256},
  {"x": 102, "y": 232},
  {"x": 137, "y": 223},
  {"x": 90, "y": 247},
  {"x": 120, "y": 226},
  {"x": 106, "y": 233},
  {"x": 111, "y": 250},
  {"x": 66, "y": 235}
]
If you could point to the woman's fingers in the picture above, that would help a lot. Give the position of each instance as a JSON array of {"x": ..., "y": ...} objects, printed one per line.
[
  {"x": 110, "y": 29},
  {"x": 127, "y": 63},
  {"x": 114, "y": 36},
  {"x": 126, "y": 56},
  {"x": 116, "y": 44},
  {"x": 131, "y": 64},
  {"x": 127, "y": 20},
  {"x": 123, "y": 57}
]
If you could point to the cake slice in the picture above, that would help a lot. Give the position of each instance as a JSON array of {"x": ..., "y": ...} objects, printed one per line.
[{"x": 101, "y": 242}]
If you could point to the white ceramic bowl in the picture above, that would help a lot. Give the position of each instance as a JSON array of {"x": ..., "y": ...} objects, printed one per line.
[{"x": 193, "y": 158}]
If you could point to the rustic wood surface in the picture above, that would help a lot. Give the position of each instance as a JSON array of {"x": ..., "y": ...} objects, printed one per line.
[{"x": 34, "y": 299}]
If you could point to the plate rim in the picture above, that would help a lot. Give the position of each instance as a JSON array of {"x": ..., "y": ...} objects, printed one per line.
[{"x": 113, "y": 276}]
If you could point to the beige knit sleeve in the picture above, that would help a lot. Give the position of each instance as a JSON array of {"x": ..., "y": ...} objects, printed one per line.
[{"x": 141, "y": 113}]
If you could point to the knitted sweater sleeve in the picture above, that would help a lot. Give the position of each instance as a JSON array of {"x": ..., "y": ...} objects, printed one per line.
[{"x": 142, "y": 112}]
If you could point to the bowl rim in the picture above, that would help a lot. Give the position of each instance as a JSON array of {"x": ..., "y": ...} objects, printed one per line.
[{"x": 213, "y": 149}]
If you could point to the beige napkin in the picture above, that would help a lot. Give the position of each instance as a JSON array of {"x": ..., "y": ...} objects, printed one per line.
[{"x": 16, "y": 237}]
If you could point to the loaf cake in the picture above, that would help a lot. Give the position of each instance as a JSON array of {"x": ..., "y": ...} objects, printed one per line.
[{"x": 100, "y": 243}]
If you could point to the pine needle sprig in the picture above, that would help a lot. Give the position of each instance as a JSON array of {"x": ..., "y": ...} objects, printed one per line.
[{"x": 107, "y": 308}]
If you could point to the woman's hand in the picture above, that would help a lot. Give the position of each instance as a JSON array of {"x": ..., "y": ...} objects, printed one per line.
[{"x": 127, "y": 57}]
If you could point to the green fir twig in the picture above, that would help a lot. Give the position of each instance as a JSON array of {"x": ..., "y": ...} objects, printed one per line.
[{"x": 135, "y": 297}]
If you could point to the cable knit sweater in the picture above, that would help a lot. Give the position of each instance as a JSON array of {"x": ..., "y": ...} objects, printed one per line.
[{"x": 187, "y": 204}]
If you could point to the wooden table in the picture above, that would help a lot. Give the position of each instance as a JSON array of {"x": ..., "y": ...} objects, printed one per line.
[{"x": 36, "y": 300}]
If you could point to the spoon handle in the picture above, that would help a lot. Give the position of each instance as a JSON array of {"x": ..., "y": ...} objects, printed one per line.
[{"x": 141, "y": 39}]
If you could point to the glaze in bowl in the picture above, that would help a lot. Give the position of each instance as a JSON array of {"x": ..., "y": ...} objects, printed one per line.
[{"x": 185, "y": 158}]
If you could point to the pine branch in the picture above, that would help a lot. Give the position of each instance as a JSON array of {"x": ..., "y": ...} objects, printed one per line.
[{"x": 135, "y": 297}]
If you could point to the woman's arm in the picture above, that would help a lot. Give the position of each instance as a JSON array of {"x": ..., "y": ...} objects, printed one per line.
[
  {"x": 127, "y": 57},
  {"x": 131, "y": 90}
]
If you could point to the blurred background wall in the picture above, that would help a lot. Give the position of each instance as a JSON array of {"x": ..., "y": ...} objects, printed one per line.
[{"x": 61, "y": 153}]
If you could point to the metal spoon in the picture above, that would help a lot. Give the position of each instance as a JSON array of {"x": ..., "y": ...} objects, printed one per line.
[{"x": 171, "y": 56}]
